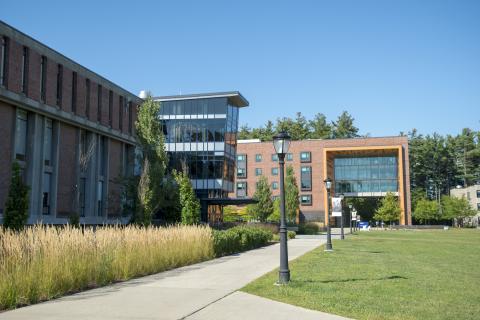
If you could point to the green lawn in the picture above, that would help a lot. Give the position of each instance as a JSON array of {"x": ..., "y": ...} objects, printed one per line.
[{"x": 386, "y": 275}]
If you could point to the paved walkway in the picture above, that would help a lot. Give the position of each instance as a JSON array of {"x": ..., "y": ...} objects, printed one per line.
[{"x": 202, "y": 291}]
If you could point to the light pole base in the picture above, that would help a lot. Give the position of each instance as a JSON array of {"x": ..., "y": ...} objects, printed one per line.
[
  {"x": 283, "y": 277},
  {"x": 328, "y": 250}
]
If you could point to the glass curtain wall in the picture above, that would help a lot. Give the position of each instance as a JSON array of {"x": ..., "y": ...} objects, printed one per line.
[
  {"x": 366, "y": 174},
  {"x": 200, "y": 137}
]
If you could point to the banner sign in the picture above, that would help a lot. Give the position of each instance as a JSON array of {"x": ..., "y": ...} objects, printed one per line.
[
  {"x": 354, "y": 214},
  {"x": 336, "y": 207}
]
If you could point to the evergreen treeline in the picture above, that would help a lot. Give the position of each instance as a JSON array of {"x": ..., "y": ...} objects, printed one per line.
[{"x": 301, "y": 128}]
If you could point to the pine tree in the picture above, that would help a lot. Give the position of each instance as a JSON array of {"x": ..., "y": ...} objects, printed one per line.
[
  {"x": 321, "y": 129},
  {"x": 16, "y": 206},
  {"x": 263, "y": 196},
  {"x": 343, "y": 127},
  {"x": 188, "y": 200},
  {"x": 389, "y": 209},
  {"x": 292, "y": 201}
]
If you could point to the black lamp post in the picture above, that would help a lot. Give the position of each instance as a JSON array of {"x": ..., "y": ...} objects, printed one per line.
[
  {"x": 281, "y": 142},
  {"x": 342, "y": 234},
  {"x": 350, "y": 206},
  {"x": 328, "y": 186}
]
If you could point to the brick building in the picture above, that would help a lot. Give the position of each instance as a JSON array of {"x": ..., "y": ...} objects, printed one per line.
[
  {"x": 70, "y": 130},
  {"x": 360, "y": 167}
]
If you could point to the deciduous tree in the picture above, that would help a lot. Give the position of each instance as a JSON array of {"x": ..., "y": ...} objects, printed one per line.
[{"x": 16, "y": 206}]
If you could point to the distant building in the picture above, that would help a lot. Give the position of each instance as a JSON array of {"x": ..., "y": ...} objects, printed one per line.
[
  {"x": 70, "y": 129},
  {"x": 360, "y": 167},
  {"x": 201, "y": 138},
  {"x": 472, "y": 194}
]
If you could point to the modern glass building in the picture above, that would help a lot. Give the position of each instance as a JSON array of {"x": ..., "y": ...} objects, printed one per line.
[{"x": 201, "y": 138}]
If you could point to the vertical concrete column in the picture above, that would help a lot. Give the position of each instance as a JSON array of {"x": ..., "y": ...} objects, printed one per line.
[
  {"x": 91, "y": 187},
  {"x": 55, "y": 159},
  {"x": 106, "y": 177},
  {"x": 34, "y": 161}
]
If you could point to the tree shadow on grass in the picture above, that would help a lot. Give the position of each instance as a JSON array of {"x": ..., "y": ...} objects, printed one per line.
[{"x": 394, "y": 277}]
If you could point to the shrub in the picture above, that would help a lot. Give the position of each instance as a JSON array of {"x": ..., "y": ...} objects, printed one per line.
[
  {"x": 291, "y": 234},
  {"x": 40, "y": 263},
  {"x": 308, "y": 228},
  {"x": 16, "y": 206},
  {"x": 239, "y": 239}
]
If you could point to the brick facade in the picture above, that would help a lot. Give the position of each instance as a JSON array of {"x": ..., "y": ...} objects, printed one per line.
[
  {"x": 67, "y": 127},
  {"x": 317, "y": 148}
]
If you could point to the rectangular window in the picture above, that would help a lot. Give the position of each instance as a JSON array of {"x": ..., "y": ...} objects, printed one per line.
[
  {"x": 99, "y": 103},
  {"x": 478, "y": 194},
  {"x": 275, "y": 198},
  {"x": 120, "y": 117},
  {"x": 59, "y": 84},
  {"x": 306, "y": 199},
  {"x": 25, "y": 70},
  {"x": 74, "y": 92},
  {"x": 274, "y": 185},
  {"x": 274, "y": 157},
  {"x": 258, "y": 157},
  {"x": 241, "y": 173},
  {"x": 305, "y": 157},
  {"x": 21, "y": 136},
  {"x": 87, "y": 98},
  {"x": 100, "y": 198},
  {"x": 47, "y": 178},
  {"x": 258, "y": 171},
  {"x": 130, "y": 117},
  {"x": 289, "y": 156},
  {"x": 306, "y": 178},
  {"x": 110, "y": 108},
  {"x": 83, "y": 182},
  {"x": 274, "y": 171},
  {"x": 241, "y": 189},
  {"x": 478, "y": 206},
  {"x": 241, "y": 157},
  {"x": 4, "y": 62},
  {"x": 43, "y": 79},
  {"x": 47, "y": 142}
]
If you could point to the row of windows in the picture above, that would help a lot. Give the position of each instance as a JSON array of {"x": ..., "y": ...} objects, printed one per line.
[
  {"x": 124, "y": 104},
  {"x": 304, "y": 157},
  {"x": 241, "y": 191},
  {"x": 305, "y": 174}
]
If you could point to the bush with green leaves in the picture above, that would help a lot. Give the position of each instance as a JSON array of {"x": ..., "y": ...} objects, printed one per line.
[
  {"x": 308, "y": 228},
  {"x": 16, "y": 206},
  {"x": 238, "y": 239},
  {"x": 188, "y": 200}
]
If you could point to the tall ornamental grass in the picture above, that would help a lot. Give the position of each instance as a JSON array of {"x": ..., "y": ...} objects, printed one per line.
[{"x": 40, "y": 263}]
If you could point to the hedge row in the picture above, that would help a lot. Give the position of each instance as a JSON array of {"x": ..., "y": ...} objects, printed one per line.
[{"x": 238, "y": 239}]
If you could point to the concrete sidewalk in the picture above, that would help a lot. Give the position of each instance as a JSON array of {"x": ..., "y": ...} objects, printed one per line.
[{"x": 183, "y": 293}]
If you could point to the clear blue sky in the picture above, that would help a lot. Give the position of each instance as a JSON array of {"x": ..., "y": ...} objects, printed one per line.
[{"x": 394, "y": 65}]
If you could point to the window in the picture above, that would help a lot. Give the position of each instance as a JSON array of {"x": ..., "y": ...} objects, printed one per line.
[
  {"x": 241, "y": 189},
  {"x": 275, "y": 198},
  {"x": 43, "y": 78},
  {"x": 74, "y": 92},
  {"x": 241, "y": 157},
  {"x": 306, "y": 178},
  {"x": 4, "y": 61},
  {"x": 83, "y": 183},
  {"x": 47, "y": 178},
  {"x": 274, "y": 185},
  {"x": 25, "y": 70},
  {"x": 258, "y": 171},
  {"x": 258, "y": 157},
  {"x": 130, "y": 117},
  {"x": 274, "y": 171},
  {"x": 87, "y": 98},
  {"x": 47, "y": 143},
  {"x": 21, "y": 136},
  {"x": 110, "y": 107},
  {"x": 304, "y": 156},
  {"x": 120, "y": 118},
  {"x": 100, "y": 198},
  {"x": 478, "y": 206},
  {"x": 306, "y": 199},
  {"x": 478, "y": 193},
  {"x": 99, "y": 103},
  {"x": 274, "y": 157},
  {"x": 241, "y": 173},
  {"x": 59, "y": 84},
  {"x": 289, "y": 156}
]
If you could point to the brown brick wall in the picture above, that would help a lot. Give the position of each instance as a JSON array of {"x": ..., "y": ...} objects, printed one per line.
[
  {"x": 114, "y": 173},
  {"x": 81, "y": 107},
  {"x": 33, "y": 75},
  {"x": 116, "y": 111},
  {"x": 66, "y": 169},
  {"x": 51, "y": 83},
  {"x": 316, "y": 148},
  {"x": 14, "y": 66},
  {"x": 7, "y": 116},
  {"x": 67, "y": 90}
]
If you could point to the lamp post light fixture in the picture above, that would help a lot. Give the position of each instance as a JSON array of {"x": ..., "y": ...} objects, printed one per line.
[
  {"x": 281, "y": 143},
  {"x": 350, "y": 206},
  {"x": 328, "y": 186},
  {"x": 342, "y": 234}
]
